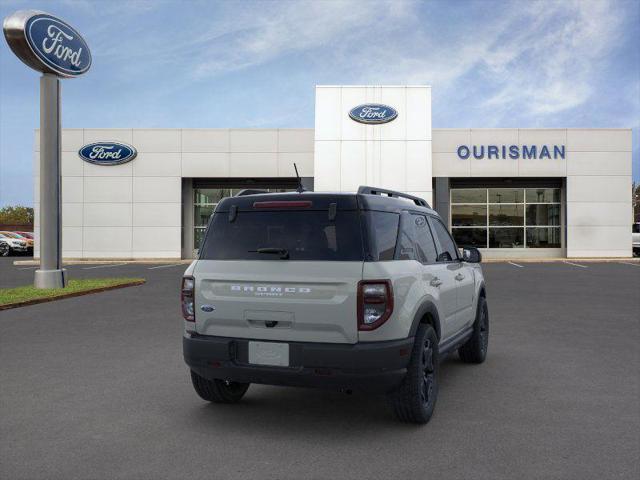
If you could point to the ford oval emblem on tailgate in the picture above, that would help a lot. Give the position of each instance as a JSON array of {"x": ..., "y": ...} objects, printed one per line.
[{"x": 207, "y": 308}]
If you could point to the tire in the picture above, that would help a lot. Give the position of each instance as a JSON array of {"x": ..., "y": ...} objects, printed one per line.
[
  {"x": 218, "y": 391},
  {"x": 475, "y": 349},
  {"x": 415, "y": 399},
  {"x": 4, "y": 250}
]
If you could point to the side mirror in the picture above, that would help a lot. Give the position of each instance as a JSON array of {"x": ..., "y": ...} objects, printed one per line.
[{"x": 471, "y": 255}]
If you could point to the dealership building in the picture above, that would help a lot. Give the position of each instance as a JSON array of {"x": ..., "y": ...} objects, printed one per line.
[{"x": 513, "y": 192}]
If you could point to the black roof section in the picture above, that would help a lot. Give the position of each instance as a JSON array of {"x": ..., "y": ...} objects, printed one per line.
[{"x": 367, "y": 198}]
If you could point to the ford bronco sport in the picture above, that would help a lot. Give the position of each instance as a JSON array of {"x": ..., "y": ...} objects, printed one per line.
[{"x": 363, "y": 291}]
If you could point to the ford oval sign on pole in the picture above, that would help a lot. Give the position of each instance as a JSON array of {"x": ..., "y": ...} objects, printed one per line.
[
  {"x": 107, "y": 153},
  {"x": 373, "y": 113},
  {"x": 51, "y": 46}
]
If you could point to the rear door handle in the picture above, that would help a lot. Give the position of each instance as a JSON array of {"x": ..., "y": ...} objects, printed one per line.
[
  {"x": 435, "y": 282},
  {"x": 459, "y": 277}
]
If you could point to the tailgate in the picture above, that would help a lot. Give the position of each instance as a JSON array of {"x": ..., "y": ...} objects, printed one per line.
[{"x": 306, "y": 301}]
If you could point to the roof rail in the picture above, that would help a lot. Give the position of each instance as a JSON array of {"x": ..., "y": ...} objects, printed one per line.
[
  {"x": 363, "y": 189},
  {"x": 250, "y": 191}
]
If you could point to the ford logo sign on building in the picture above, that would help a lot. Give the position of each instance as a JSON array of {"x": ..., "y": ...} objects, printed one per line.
[
  {"x": 47, "y": 44},
  {"x": 107, "y": 153},
  {"x": 373, "y": 113}
]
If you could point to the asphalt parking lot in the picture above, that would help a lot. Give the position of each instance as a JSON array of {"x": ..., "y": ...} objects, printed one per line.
[{"x": 95, "y": 387}]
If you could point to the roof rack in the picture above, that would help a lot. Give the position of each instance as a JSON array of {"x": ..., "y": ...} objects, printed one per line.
[
  {"x": 250, "y": 191},
  {"x": 363, "y": 189}
]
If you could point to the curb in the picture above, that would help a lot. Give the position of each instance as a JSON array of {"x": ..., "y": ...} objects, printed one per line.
[{"x": 35, "y": 301}]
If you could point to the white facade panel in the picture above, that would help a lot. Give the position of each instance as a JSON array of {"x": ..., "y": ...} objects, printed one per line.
[
  {"x": 599, "y": 140},
  {"x": 419, "y": 164},
  {"x": 205, "y": 140},
  {"x": 92, "y": 170},
  {"x": 157, "y": 239},
  {"x": 598, "y": 163},
  {"x": 72, "y": 139},
  {"x": 328, "y": 114},
  {"x": 113, "y": 241},
  {"x": 156, "y": 165},
  {"x": 124, "y": 135},
  {"x": 396, "y": 98},
  {"x": 70, "y": 164},
  {"x": 107, "y": 215},
  {"x": 72, "y": 189},
  {"x": 304, "y": 162},
  {"x": 353, "y": 165},
  {"x": 495, "y": 167},
  {"x": 104, "y": 189},
  {"x": 599, "y": 189},
  {"x": 295, "y": 140},
  {"x": 156, "y": 189},
  {"x": 157, "y": 140},
  {"x": 205, "y": 165},
  {"x": 72, "y": 239},
  {"x": 542, "y": 136},
  {"x": 494, "y": 136},
  {"x": 542, "y": 167},
  {"x": 418, "y": 107},
  {"x": 393, "y": 166},
  {"x": 447, "y": 140},
  {"x": 157, "y": 214},
  {"x": 326, "y": 166},
  {"x": 449, "y": 165},
  {"x": 607, "y": 214},
  {"x": 253, "y": 141},
  {"x": 253, "y": 165},
  {"x": 72, "y": 215}
]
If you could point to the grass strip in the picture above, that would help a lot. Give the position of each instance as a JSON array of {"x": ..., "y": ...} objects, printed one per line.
[{"x": 29, "y": 295}]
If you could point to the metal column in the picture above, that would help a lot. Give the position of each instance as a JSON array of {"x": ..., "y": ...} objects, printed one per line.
[{"x": 51, "y": 274}]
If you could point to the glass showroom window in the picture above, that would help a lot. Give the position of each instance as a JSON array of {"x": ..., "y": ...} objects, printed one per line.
[{"x": 506, "y": 217}]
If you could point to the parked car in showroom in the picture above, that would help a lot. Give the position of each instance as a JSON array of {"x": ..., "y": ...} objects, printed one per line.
[
  {"x": 635, "y": 238},
  {"x": 16, "y": 245}
]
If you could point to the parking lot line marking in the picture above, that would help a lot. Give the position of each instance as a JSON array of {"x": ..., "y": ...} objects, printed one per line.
[
  {"x": 105, "y": 266},
  {"x": 632, "y": 264},
  {"x": 166, "y": 266},
  {"x": 27, "y": 268},
  {"x": 516, "y": 265},
  {"x": 575, "y": 264}
]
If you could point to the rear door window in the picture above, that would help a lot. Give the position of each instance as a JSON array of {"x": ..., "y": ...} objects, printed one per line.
[
  {"x": 304, "y": 235},
  {"x": 424, "y": 240},
  {"x": 447, "y": 250}
]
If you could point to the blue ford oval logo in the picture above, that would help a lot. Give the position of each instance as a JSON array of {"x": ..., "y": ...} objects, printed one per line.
[
  {"x": 57, "y": 45},
  {"x": 107, "y": 153},
  {"x": 373, "y": 113},
  {"x": 207, "y": 308}
]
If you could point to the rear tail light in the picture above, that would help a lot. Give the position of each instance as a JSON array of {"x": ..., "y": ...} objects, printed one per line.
[
  {"x": 187, "y": 299},
  {"x": 375, "y": 303},
  {"x": 284, "y": 204}
]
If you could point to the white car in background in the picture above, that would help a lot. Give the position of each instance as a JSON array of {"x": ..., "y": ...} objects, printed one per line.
[
  {"x": 14, "y": 245},
  {"x": 635, "y": 238}
]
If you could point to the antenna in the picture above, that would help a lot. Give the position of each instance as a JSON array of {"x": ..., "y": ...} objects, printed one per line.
[{"x": 300, "y": 188}]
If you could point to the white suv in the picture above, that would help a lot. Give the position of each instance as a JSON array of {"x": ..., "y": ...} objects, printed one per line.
[{"x": 364, "y": 291}]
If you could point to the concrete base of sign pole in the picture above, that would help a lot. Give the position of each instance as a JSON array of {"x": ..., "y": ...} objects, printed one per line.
[{"x": 50, "y": 278}]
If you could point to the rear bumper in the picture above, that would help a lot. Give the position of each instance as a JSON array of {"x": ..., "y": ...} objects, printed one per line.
[{"x": 370, "y": 367}]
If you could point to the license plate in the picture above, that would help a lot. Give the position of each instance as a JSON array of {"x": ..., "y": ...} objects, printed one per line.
[{"x": 269, "y": 353}]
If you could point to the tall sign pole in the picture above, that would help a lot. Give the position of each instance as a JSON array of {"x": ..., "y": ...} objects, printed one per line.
[{"x": 51, "y": 46}]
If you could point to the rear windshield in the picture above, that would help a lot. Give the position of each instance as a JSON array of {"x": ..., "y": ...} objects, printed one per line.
[{"x": 304, "y": 235}]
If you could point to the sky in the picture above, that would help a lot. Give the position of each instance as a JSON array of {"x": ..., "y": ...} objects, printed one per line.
[{"x": 208, "y": 64}]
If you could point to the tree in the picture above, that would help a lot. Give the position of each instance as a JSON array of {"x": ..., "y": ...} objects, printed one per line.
[{"x": 16, "y": 215}]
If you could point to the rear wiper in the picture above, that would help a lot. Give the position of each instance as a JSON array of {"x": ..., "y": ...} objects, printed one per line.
[{"x": 283, "y": 252}]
